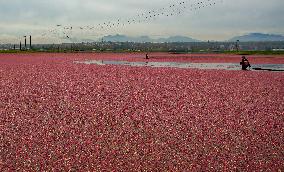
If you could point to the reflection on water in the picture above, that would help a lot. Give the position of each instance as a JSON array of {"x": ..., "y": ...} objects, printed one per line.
[{"x": 221, "y": 66}]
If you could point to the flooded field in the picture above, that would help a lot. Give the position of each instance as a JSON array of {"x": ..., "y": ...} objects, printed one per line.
[{"x": 57, "y": 115}]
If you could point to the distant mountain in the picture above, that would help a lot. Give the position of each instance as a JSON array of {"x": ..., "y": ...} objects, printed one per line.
[
  {"x": 177, "y": 39},
  {"x": 258, "y": 37},
  {"x": 116, "y": 38},
  {"x": 123, "y": 38}
]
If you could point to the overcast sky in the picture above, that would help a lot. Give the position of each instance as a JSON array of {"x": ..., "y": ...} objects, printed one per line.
[{"x": 219, "y": 22}]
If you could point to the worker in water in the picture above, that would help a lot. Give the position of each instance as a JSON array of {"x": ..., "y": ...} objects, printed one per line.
[
  {"x": 147, "y": 57},
  {"x": 245, "y": 63}
]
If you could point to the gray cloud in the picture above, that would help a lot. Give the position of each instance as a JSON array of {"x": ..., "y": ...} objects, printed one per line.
[{"x": 226, "y": 19}]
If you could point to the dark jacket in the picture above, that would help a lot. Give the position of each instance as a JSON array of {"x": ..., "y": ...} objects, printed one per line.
[{"x": 245, "y": 63}]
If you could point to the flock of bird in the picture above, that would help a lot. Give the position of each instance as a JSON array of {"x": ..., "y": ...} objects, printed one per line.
[{"x": 177, "y": 8}]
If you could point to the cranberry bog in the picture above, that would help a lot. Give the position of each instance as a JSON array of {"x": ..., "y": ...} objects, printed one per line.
[{"x": 58, "y": 115}]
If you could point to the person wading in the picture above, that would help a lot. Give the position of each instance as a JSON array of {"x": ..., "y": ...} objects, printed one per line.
[
  {"x": 147, "y": 57},
  {"x": 245, "y": 63}
]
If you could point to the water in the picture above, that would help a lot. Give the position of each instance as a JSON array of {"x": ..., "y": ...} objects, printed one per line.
[{"x": 219, "y": 66}]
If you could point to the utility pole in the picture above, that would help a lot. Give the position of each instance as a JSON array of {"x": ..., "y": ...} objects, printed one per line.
[
  {"x": 237, "y": 45},
  {"x": 20, "y": 46}
]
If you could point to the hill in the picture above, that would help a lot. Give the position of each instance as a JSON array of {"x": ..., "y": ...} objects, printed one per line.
[
  {"x": 258, "y": 37},
  {"x": 124, "y": 38}
]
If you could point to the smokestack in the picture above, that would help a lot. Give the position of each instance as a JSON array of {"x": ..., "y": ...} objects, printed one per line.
[
  {"x": 30, "y": 42},
  {"x": 25, "y": 42}
]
